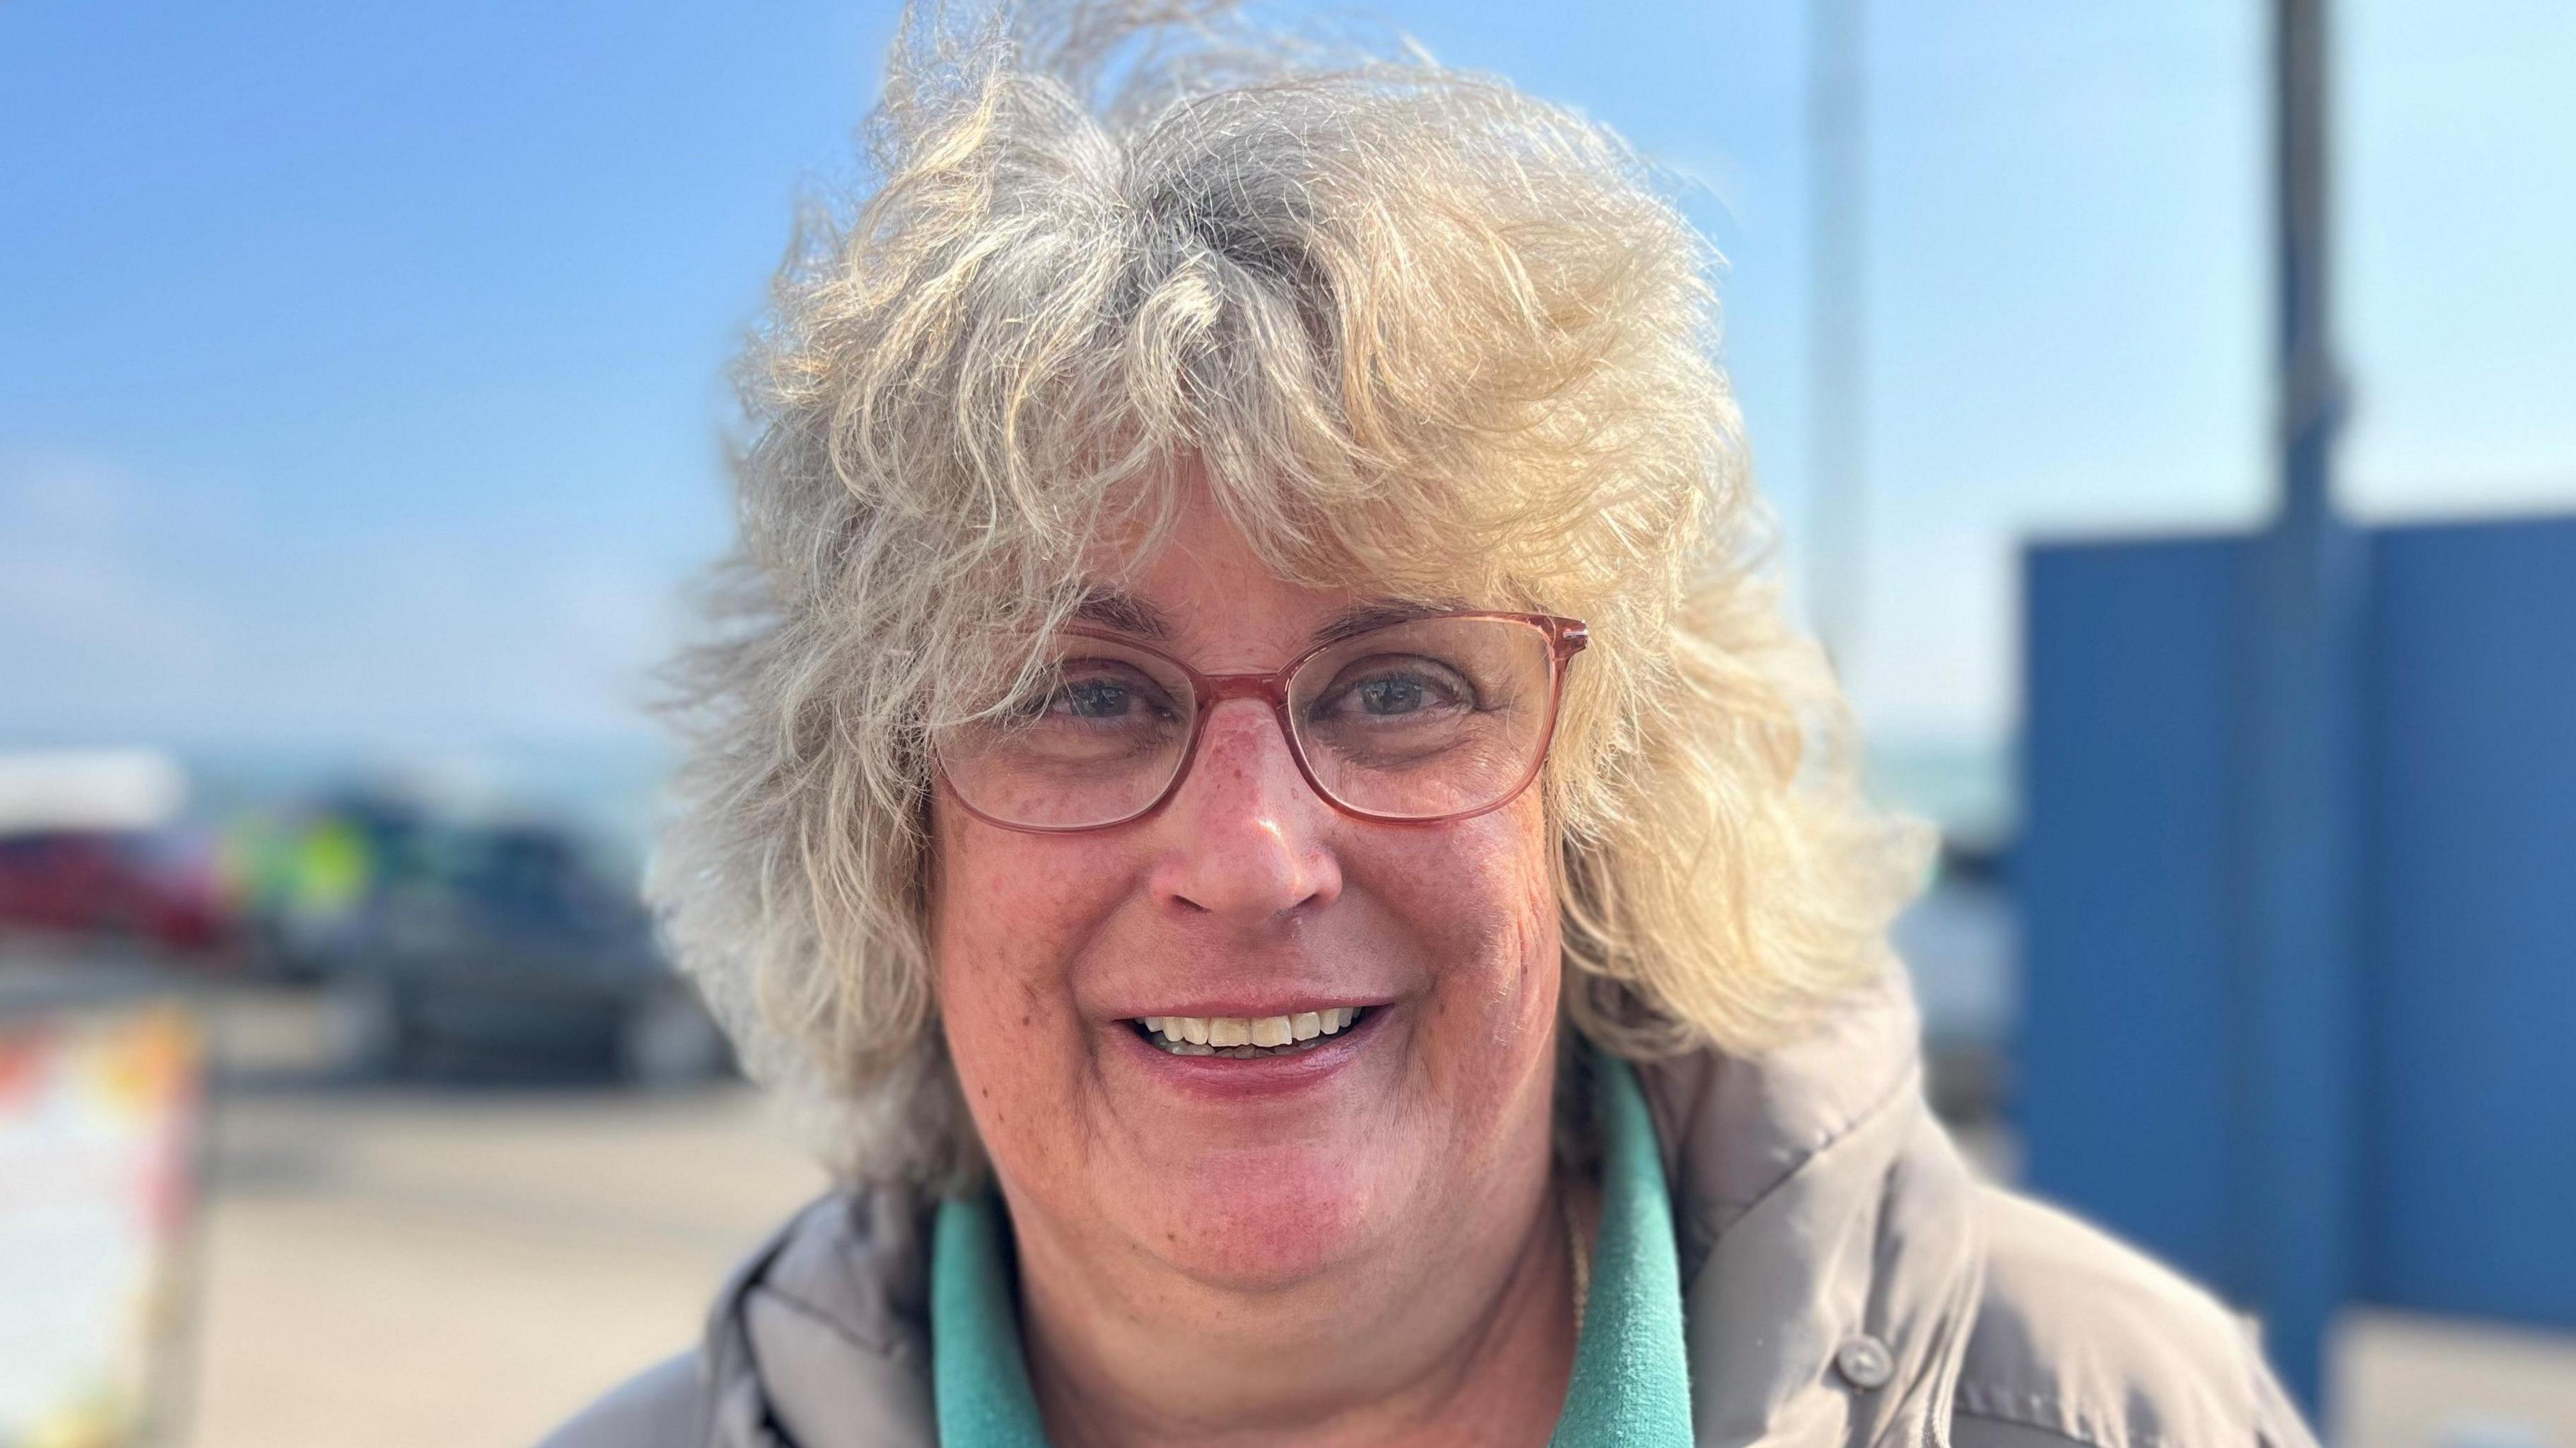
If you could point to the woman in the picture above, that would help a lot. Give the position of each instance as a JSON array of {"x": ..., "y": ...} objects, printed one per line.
[{"x": 1255, "y": 786}]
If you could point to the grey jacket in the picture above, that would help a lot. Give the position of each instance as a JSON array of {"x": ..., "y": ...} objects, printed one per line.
[{"x": 1847, "y": 1284}]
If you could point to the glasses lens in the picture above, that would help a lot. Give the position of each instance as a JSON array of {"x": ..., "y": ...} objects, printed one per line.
[
  {"x": 1435, "y": 717},
  {"x": 1092, "y": 740}
]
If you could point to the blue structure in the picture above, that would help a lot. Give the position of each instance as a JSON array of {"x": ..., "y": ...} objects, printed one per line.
[{"x": 2299, "y": 890}]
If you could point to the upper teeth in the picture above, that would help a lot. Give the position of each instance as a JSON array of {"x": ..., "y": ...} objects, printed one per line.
[{"x": 1223, "y": 1031}]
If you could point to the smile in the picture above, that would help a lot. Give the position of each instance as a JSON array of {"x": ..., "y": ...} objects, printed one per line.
[{"x": 1246, "y": 1038}]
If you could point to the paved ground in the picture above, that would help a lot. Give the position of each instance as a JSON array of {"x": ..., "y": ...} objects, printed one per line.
[
  {"x": 402, "y": 1269},
  {"x": 2423, "y": 1383},
  {"x": 399, "y": 1269},
  {"x": 449, "y": 1267}
]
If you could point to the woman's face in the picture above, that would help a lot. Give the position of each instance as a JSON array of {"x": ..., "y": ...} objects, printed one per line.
[{"x": 1248, "y": 896}]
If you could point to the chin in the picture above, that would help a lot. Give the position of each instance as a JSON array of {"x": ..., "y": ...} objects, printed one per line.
[{"x": 1264, "y": 1220}]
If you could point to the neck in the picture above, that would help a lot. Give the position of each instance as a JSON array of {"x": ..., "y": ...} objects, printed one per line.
[{"x": 1462, "y": 1334}]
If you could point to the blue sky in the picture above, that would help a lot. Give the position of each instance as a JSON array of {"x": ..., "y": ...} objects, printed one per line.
[{"x": 361, "y": 366}]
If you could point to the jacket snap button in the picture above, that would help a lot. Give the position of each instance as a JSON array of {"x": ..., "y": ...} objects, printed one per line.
[{"x": 1864, "y": 1362}]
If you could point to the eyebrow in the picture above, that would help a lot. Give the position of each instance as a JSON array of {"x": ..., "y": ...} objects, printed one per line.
[
  {"x": 1128, "y": 614},
  {"x": 1359, "y": 618}
]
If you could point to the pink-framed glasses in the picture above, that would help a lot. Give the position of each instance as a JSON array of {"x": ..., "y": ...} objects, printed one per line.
[{"x": 1421, "y": 721}]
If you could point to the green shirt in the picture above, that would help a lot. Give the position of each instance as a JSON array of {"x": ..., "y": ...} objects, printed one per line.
[{"x": 1631, "y": 1383}]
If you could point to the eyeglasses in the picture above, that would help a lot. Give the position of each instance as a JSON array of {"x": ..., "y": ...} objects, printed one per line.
[{"x": 1429, "y": 719}]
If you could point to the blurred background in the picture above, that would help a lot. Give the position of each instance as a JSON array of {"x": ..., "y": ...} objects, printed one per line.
[{"x": 361, "y": 388}]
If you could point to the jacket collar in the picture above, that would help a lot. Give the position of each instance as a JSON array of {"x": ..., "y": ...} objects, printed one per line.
[
  {"x": 1830, "y": 1265},
  {"x": 822, "y": 1338}
]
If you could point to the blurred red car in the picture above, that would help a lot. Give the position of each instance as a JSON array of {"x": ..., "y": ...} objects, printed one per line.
[{"x": 144, "y": 888}]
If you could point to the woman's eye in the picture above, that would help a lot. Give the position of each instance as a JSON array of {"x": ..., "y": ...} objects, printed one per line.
[
  {"x": 1093, "y": 699},
  {"x": 1100, "y": 693},
  {"x": 1391, "y": 696},
  {"x": 1406, "y": 690}
]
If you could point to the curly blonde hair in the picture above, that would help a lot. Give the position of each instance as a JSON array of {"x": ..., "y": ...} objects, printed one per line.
[{"x": 1426, "y": 335}]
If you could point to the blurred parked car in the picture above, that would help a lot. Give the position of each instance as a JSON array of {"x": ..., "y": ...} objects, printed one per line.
[
  {"x": 91, "y": 850},
  {"x": 139, "y": 888},
  {"x": 509, "y": 945},
  {"x": 302, "y": 877}
]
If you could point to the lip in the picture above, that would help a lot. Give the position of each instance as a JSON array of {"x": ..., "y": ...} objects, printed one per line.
[
  {"x": 1252, "y": 1008},
  {"x": 1225, "y": 1078}
]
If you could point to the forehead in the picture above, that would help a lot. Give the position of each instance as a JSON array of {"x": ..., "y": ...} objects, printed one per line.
[
  {"x": 1202, "y": 587},
  {"x": 1143, "y": 618}
]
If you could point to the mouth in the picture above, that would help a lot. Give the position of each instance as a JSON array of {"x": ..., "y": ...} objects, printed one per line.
[{"x": 1249, "y": 1038}]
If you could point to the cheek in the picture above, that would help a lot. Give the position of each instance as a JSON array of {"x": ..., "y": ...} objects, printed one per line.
[
  {"x": 1485, "y": 1052},
  {"x": 1485, "y": 903},
  {"x": 1009, "y": 906},
  {"x": 1008, "y": 917}
]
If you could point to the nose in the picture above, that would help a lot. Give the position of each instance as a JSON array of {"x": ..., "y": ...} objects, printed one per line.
[{"x": 1247, "y": 836}]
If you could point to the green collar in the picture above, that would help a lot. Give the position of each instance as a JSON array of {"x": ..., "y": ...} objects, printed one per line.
[{"x": 1631, "y": 1383}]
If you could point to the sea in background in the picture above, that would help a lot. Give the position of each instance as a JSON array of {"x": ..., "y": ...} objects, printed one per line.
[
  {"x": 1960, "y": 941},
  {"x": 1964, "y": 787},
  {"x": 606, "y": 791}
]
